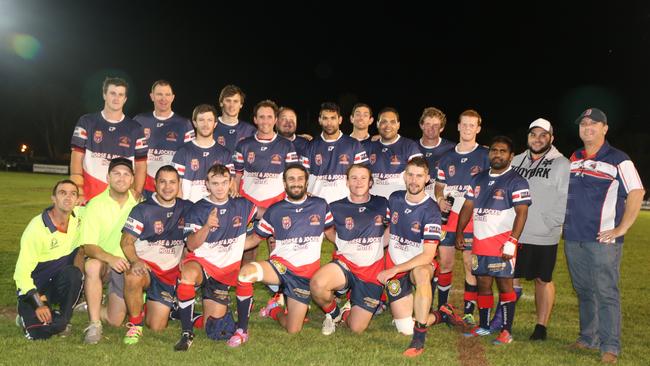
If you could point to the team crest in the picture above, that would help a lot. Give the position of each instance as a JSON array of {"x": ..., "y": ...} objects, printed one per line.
[
  {"x": 221, "y": 141},
  {"x": 395, "y": 218},
  {"x": 475, "y": 170},
  {"x": 394, "y": 287},
  {"x": 251, "y": 157},
  {"x": 276, "y": 159},
  {"x": 474, "y": 262},
  {"x": 54, "y": 243},
  {"x": 349, "y": 223},
  {"x": 394, "y": 160},
  {"x": 158, "y": 227},
  {"x": 98, "y": 137},
  {"x": 181, "y": 223},
  {"x": 415, "y": 226},
  {"x": 282, "y": 269},
  {"x": 373, "y": 159},
  {"x": 452, "y": 171},
  {"x": 477, "y": 191},
  {"x": 286, "y": 222},
  {"x": 344, "y": 159},
  {"x": 379, "y": 220},
  {"x": 124, "y": 141},
  {"x": 236, "y": 221},
  {"x": 172, "y": 136},
  {"x": 147, "y": 132},
  {"x": 499, "y": 194},
  {"x": 318, "y": 159},
  {"x": 194, "y": 164},
  {"x": 314, "y": 220}
]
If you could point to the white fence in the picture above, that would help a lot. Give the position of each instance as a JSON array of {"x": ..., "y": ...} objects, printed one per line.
[{"x": 47, "y": 168}]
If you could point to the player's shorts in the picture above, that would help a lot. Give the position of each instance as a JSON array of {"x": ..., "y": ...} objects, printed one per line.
[
  {"x": 293, "y": 286},
  {"x": 161, "y": 292},
  {"x": 215, "y": 290},
  {"x": 116, "y": 283},
  {"x": 485, "y": 265},
  {"x": 363, "y": 294},
  {"x": 398, "y": 288},
  {"x": 448, "y": 239},
  {"x": 536, "y": 261}
]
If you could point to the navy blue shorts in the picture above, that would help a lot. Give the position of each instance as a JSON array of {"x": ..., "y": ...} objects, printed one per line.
[
  {"x": 399, "y": 287},
  {"x": 215, "y": 290},
  {"x": 161, "y": 292},
  {"x": 484, "y": 265},
  {"x": 448, "y": 239},
  {"x": 293, "y": 286},
  {"x": 363, "y": 294}
]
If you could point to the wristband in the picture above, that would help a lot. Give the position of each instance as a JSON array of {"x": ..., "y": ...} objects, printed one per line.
[
  {"x": 510, "y": 246},
  {"x": 34, "y": 299}
]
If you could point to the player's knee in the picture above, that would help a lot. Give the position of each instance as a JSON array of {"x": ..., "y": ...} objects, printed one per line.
[
  {"x": 317, "y": 285},
  {"x": 357, "y": 327},
  {"x": 93, "y": 268},
  {"x": 404, "y": 325},
  {"x": 540, "y": 282},
  {"x": 157, "y": 325},
  {"x": 113, "y": 321},
  {"x": 422, "y": 276}
]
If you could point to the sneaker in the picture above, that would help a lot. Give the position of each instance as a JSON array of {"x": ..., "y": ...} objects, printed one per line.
[
  {"x": 503, "y": 338},
  {"x": 93, "y": 333},
  {"x": 497, "y": 321},
  {"x": 19, "y": 322},
  {"x": 270, "y": 305},
  {"x": 66, "y": 332},
  {"x": 477, "y": 332},
  {"x": 415, "y": 349},
  {"x": 185, "y": 342},
  {"x": 133, "y": 334},
  {"x": 82, "y": 306},
  {"x": 449, "y": 316},
  {"x": 539, "y": 334},
  {"x": 329, "y": 325},
  {"x": 468, "y": 319},
  {"x": 240, "y": 337}
]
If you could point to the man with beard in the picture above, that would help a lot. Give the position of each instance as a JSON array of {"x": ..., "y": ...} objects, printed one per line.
[
  {"x": 328, "y": 156},
  {"x": 414, "y": 236},
  {"x": 298, "y": 224},
  {"x": 195, "y": 158},
  {"x": 152, "y": 242},
  {"x": 361, "y": 119},
  {"x": 230, "y": 129},
  {"x": 547, "y": 173},
  {"x": 287, "y": 124},
  {"x": 498, "y": 200}
]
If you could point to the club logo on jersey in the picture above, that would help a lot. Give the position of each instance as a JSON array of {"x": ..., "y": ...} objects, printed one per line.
[
  {"x": 499, "y": 194},
  {"x": 463, "y": 160},
  {"x": 452, "y": 171},
  {"x": 428, "y": 155},
  {"x": 171, "y": 136},
  {"x": 415, "y": 226},
  {"x": 349, "y": 223},
  {"x": 276, "y": 159},
  {"x": 394, "y": 160},
  {"x": 236, "y": 221},
  {"x": 251, "y": 157},
  {"x": 232, "y": 131},
  {"x": 475, "y": 170},
  {"x": 379, "y": 220},
  {"x": 264, "y": 148},
  {"x": 394, "y": 288},
  {"x": 318, "y": 159},
  {"x": 181, "y": 223},
  {"x": 373, "y": 159},
  {"x": 98, "y": 136},
  {"x": 54, "y": 243},
  {"x": 158, "y": 227},
  {"x": 474, "y": 262},
  {"x": 111, "y": 129},
  {"x": 395, "y": 218},
  {"x": 286, "y": 222},
  {"x": 314, "y": 220},
  {"x": 330, "y": 148},
  {"x": 361, "y": 209},
  {"x": 344, "y": 159},
  {"x": 282, "y": 269},
  {"x": 221, "y": 141},
  {"x": 477, "y": 191},
  {"x": 170, "y": 214},
  {"x": 124, "y": 141},
  {"x": 194, "y": 164},
  {"x": 147, "y": 132}
]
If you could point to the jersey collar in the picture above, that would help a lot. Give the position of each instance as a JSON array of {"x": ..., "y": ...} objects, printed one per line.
[
  {"x": 426, "y": 197},
  {"x": 47, "y": 221},
  {"x": 227, "y": 124},
  {"x": 391, "y": 143},
  {"x": 466, "y": 152},
  {"x": 336, "y": 139},
  {"x": 296, "y": 202},
  {"x": 154, "y": 197},
  {"x": 500, "y": 174},
  {"x": 431, "y": 147},
  {"x": 163, "y": 118}
]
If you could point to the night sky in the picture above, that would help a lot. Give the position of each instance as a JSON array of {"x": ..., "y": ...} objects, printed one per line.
[{"x": 511, "y": 62}]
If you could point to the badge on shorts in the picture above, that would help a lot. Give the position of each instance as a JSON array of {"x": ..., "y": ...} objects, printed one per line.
[
  {"x": 394, "y": 288},
  {"x": 474, "y": 262},
  {"x": 282, "y": 269},
  {"x": 443, "y": 235}
]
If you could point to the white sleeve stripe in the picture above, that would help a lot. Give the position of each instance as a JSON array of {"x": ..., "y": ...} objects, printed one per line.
[{"x": 629, "y": 176}]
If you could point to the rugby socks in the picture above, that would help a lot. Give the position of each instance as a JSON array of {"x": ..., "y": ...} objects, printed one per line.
[
  {"x": 518, "y": 290},
  {"x": 444, "y": 286},
  {"x": 485, "y": 304},
  {"x": 244, "y": 293},
  {"x": 275, "y": 312},
  {"x": 419, "y": 333},
  {"x": 471, "y": 296},
  {"x": 185, "y": 293},
  {"x": 507, "y": 301},
  {"x": 137, "y": 320},
  {"x": 332, "y": 309}
]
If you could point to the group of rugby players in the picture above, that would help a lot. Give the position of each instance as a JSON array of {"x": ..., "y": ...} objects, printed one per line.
[{"x": 171, "y": 206}]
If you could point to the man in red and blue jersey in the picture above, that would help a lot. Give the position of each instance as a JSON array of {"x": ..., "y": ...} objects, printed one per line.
[
  {"x": 230, "y": 129},
  {"x": 361, "y": 119},
  {"x": 287, "y": 124},
  {"x": 432, "y": 146}
]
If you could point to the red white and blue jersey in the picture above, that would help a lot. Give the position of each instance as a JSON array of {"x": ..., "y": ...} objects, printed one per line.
[
  {"x": 221, "y": 253},
  {"x": 388, "y": 162},
  {"x": 261, "y": 164},
  {"x": 598, "y": 187},
  {"x": 495, "y": 197},
  {"x": 359, "y": 232},
  {"x": 159, "y": 235},
  {"x": 298, "y": 231},
  {"x": 164, "y": 138},
  {"x": 456, "y": 170},
  {"x": 412, "y": 225},
  {"x": 327, "y": 162},
  {"x": 433, "y": 154},
  {"x": 193, "y": 162},
  {"x": 100, "y": 141},
  {"x": 365, "y": 143},
  {"x": 300, "y": 143},
  {"x": 229, "y": 136}
]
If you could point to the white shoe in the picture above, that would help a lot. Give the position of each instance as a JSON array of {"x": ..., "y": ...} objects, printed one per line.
[
  {"x": 93, "y": 333},
  {"x": 329, "y": 326},
  {"x": 346, "y": 307}
]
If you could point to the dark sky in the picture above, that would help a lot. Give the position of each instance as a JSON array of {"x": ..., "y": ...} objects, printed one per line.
[{"x": 511, "y": 62}]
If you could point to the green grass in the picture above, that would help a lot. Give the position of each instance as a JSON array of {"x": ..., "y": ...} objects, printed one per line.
[{"x": 23, "y": 196}]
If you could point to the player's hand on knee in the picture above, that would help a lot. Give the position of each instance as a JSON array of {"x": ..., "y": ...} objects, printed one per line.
[
  {"x": 139, "y": 268},
  {"x": 118, "y": 264},
  {"x": 44, "y": 314},
  {"x": 386, "y": 275}
]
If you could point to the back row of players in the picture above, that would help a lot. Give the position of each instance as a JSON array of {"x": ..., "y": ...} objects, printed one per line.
[{"x": 218, "y": 158}]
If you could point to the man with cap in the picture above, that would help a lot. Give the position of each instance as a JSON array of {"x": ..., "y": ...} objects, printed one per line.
[
  {"x": 101, "y": 231},
  {"x": 604, "y": 199},
  {"x": 547, "y": 173}
]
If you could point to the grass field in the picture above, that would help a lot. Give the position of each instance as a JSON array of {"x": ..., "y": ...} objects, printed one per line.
[{"x": 23, "y": 196}]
